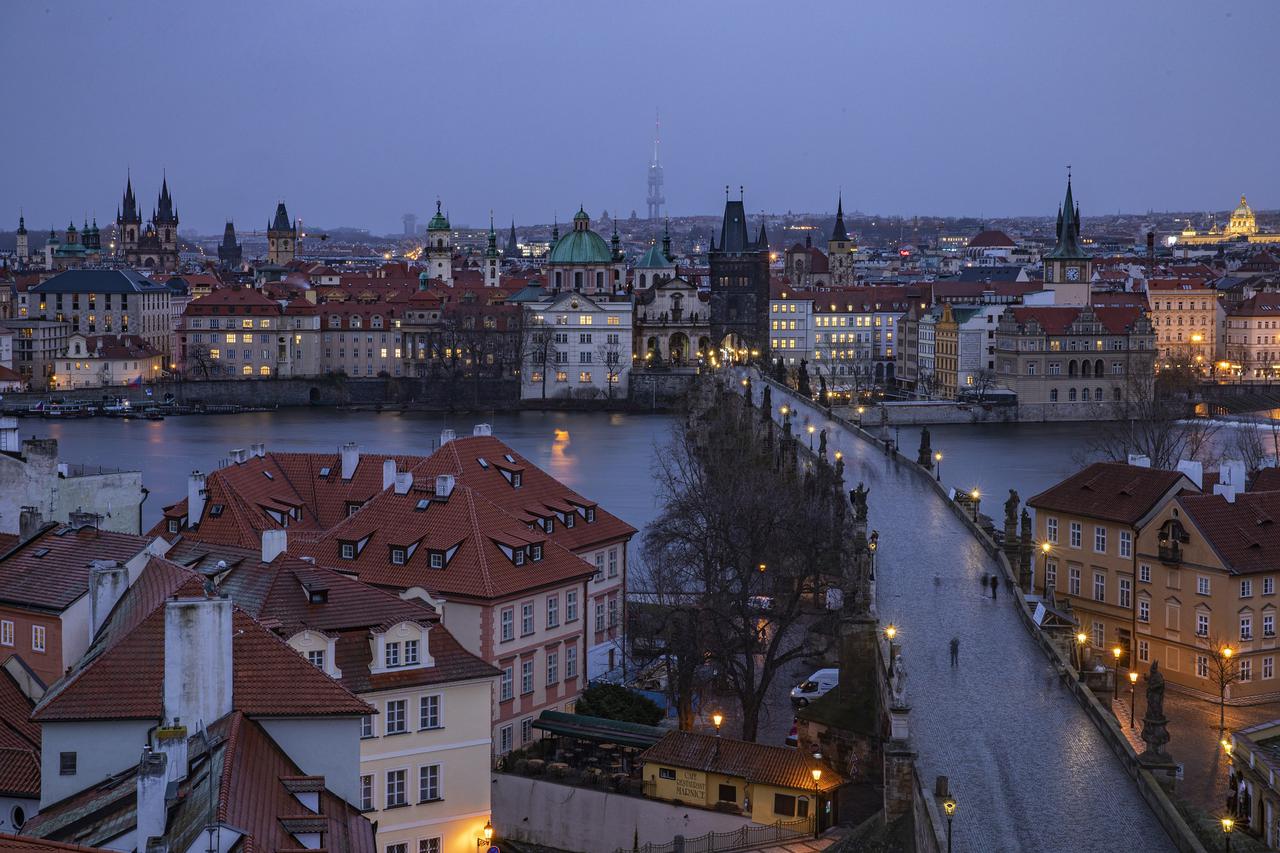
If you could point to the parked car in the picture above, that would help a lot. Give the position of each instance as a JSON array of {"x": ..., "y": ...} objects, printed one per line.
[{"x": 818, "y": 684}]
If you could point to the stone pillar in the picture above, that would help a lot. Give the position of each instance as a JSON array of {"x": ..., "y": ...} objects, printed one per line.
[
  {"x": 899, "y": 779},
  {"x": 1026, "y": 553}
]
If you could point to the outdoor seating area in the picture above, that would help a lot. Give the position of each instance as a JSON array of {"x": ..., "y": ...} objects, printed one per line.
[{"x": 588, "y": 751}]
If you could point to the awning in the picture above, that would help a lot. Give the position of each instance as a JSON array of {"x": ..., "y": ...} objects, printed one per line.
[{"x": 599, "y": 729}]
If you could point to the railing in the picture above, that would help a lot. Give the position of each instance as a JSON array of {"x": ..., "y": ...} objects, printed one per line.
[
  {"x": 1170, "y": 552},
  {"x": 743, "y": 838}
]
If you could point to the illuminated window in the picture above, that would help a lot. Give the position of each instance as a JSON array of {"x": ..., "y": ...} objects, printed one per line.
[
  {"x": 264, "y": 371},
  {"x": 615, "y": 321},
  {"x": 561, "y": 376},
  {"x": 246, "y": 324},
  {"x": 215, "y": 353},
  {"x": 584, "y": 376},
  {"x": 231, "y": 338},
  {"x": 247, "y": 370},
  {"x": 585, "y": 319}
]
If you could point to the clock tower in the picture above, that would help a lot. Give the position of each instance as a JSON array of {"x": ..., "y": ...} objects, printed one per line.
[{"x": 1068, "y": 268}]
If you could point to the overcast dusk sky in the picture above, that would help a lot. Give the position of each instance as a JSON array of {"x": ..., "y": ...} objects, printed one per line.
[{"x": 357, "y": 112}]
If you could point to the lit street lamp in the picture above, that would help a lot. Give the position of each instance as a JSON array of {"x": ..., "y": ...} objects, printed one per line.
[
  {"x": 1081, "y": 639},
  {"x": 949, "y": 806},
  {"x": 817, "y": 823},
  {"x": 1227, "y": 825},
  {"x": 1133, "y": 695},
  {"x": 937, "y": 459},
  {"x": 1115, "y": 679},
  {"x": 486, "y": 835},
  {"x": 974, "y": 495},
  {"x": 890, "y": 631},
  {"x": 810, "y": 430},
  {"x": 1044, "y": 549},
  {"x": 716, "y": 719}
]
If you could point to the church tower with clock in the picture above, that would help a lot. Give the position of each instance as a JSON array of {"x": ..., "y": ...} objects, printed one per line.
[{"x": 1068, "y": 268}]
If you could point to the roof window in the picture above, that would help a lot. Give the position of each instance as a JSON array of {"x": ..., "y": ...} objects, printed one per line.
[{"x": 324, "y": 472}]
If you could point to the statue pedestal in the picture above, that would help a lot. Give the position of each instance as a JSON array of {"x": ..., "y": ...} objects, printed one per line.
[{"x": 1162, "y": 767}]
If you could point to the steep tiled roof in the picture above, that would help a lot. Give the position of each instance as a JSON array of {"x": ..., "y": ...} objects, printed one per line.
[
  {"x": 100, "y": 281},
  {"x": 1057, "y": 320},
  {"x": 1265, "y": 304},
  {"x": 244, "y": 774},
  {"x": 51, "y": 570},
  {"x": 1110, "y": 490},
  {"x": 19, "y": 742},
  {"x": 122, "y": 677},
  {"x": 233, "y": 300},
  {"x": 768, "y": 765},
  {"x": 1245, "y": 534},
  {"x": 25, "y": 844},
  {"x": 991, "y": 240},
  {"x": 1266, "y": 480}
]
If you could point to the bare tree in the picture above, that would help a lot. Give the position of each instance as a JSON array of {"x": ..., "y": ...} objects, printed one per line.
[
  {"x": 540, "y": 349},
  {"x": 1224, "y": 669},
  {"x": 611, "y": 356},
  {"x": 983, "y": 381},
  {"x": 1247, "y": 444},
  {"x": 741, "y": 531},
  {"x": 198, "y": 360},
  {"x": 1153, "y": 420},
  {"x": 926, "y": 384}
]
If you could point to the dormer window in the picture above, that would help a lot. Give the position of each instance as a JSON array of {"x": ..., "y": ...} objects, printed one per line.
[
  {"x": 397, "y": 556},
  {"x": 352, "y": 506},
  {"x": 422, "y": 505},
  {"x": 319, "y": 596},
  {"x": 591, "y": 514},
  {"x": 437, "y": 560},
  {"x": 568, "y": 520},
  {"x": 410, "y": 652},
  {"x": 174, "y": 524},
  {"x": 517, "y": 556},
  {"x": 391, "y": 655},
  {"x": 348, "y": 551},
  {"x": 549, "y": 525},
  {"x": 536, "y": 552},
  {"x": 516, "y": 479}
]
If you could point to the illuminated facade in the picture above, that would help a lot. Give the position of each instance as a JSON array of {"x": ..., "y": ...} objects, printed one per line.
[
  {"x": 1253, "y": 338},
  {"x": 1189, "y": 321},
  {"x": 1243, "y": 226}
]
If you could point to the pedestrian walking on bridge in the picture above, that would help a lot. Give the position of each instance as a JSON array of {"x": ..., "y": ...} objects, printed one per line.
[
  {"x": 995, "y": 586},
  {"x": 955, "y": 651}
]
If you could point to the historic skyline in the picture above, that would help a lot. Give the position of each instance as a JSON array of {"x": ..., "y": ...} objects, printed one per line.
[{"x": 965, "y": 115}]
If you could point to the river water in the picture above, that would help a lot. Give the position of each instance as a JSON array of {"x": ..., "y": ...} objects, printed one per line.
[{"x": 607, "y": 457}]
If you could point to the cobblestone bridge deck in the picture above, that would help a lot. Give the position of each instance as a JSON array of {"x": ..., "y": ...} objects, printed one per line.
[{"x": 1028, "y": 768}]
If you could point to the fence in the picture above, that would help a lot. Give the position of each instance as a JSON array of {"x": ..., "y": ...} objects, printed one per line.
[{"x": 745, "y": 838}]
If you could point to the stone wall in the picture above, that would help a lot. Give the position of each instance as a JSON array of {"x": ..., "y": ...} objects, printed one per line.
[
  {"x": 659, "y": 390},
  {"x": 946, "y": 412},
  {"x": 564, "y": 817}
]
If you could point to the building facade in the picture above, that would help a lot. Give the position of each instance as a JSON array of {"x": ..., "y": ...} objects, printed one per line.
[
  {"x": 1189, "y": 321},
  {"x": 106, "y": 302},
  {"x": 739, "y": 278},
  {"x": 577, "y": 346},
  {"x": 240, "y": 332},
  {"x": 1253, "y": 338}
]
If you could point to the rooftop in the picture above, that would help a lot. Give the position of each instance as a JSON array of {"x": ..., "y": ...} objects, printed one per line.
[
  {"x": 782, "y": 766},
  {"x": 1112, "y": 491}
]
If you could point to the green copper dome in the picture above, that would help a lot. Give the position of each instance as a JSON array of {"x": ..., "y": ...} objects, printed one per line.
[
  {"x": 439, "y": 222},
  {"x": 654, "y": 259},
  {"x": 581, "y": 245}
]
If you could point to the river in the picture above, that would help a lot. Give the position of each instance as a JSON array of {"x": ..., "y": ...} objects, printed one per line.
[{"x": 606, "y": 457}]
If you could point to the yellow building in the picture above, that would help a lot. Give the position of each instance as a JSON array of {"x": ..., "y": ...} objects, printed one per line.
[
  {"x": 1243, "y": 225},
  {"x": 1189, "y": 321},
  {"x": 1253, "y": 795},
  {"x": 946, "y": 353},
  {"x": 768, "y": 784}
]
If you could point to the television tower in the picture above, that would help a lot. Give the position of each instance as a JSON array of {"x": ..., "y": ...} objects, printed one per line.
[{"x": 655, "y": 198}]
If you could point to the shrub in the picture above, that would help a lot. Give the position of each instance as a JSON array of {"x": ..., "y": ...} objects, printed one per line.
[{"x": 615, "y": 702}]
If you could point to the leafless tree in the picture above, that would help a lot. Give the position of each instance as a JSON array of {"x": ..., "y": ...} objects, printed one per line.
[
  {"x": 198, "y": 360},
  {"x": 1224, "y": 669},
  {"x": 612, "y": 354},
  {"x": 983, "y": 381},
  {"x": 540, "y": 348},
  {"x": 1247, "y": 445},
  {"x": 741, "y": 531},
  {"x": 1153, "y": 420},
  {"x": 926, "y": 385}
]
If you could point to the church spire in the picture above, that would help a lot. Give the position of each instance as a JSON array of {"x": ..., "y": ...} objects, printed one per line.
[
  {"x": 1068, "y": 244},
  {"x": 839, "y": 234}
]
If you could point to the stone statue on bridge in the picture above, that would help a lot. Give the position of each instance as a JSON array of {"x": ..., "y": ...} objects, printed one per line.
[
  {"x": 858, "y": 497},
  {"x": 898, "y": 682},
  {"x": 1155, "y": 726}
]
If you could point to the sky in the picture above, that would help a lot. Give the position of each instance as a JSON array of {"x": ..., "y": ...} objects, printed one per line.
[{"x": 357, "y": 112}]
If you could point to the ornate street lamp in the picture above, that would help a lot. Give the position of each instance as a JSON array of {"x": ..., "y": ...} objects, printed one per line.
[
  {"x": 1133, "y": 695},
  {"x": 716, "y": 719},
  {"x": 486, "y": 835},
  {"x": 1227, "y": 825},
  {"x": 937, "y": 458},
  {"x": 817, "y": 823},
  {"x": 949, "y": 806}
]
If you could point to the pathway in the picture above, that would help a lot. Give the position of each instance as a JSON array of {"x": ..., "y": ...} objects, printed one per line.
[{"x": 1028, "y": 768}]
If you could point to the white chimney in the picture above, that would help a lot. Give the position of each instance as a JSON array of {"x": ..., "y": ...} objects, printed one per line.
[
  {"x": 388, "y": 473},
  {"x": 197, "y": 660},
  {"x": 171, "y": 742},
  {"x": 274, "y": 543},
  {"x": 446, "y": 436},
  {"x": 350, "y": 459},
  {"x": 238, "y": 455},
  {"x": 444, "y": 485},
  {"x": 258, "y": 450},
  {"x": 1139, "y": 460},
  {"x": 482, "y": 429},
  {"x": 195, "y": 498},
  {"x": 1194, "y": 471},
  {"x": 152, "y": 816},
  {"x": 108, "y": 580},
  {"x": 1231, "y": 479},
  {"x": 404, "y": 481}
]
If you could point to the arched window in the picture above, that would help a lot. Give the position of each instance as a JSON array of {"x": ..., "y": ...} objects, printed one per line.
[
  {"x": 1086, "y": 368},
  {"x": 557, "y": 279},
  {"x": 264, "y": 370},
  {"x": 599, "y": 280},
  {"x": 1097, "y": 368},
  {"x": 1071, "y": 395},
  {"x": 1084, "y": 395},
  {"x": 1053, "y": 395},
  {"x": 247, "y": 370},
  {"x": 577, "y": 280},
  {"x": 1115, "y": 394},
  {"x": 1071, "y": 367},
  {"x": 1097, "y": 394}
]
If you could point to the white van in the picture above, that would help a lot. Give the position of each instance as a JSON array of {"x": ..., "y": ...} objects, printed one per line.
[{"x": 818, "y": 684}]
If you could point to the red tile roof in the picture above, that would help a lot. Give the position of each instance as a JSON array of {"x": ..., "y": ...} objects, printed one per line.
[
  {"x": 51, "y": 570},
  {"x": 1245, "y": 534},
  {"x": 26, "y": 844},
  {"x": 991, "y": 240},
  {"x": 233, "y": 301},
  {"x": 125, "y": 679},
  {"x": 783, "y": 766},
  {"x": 1110, "y": 490},
  {"x": 1264, "y": 304},
  {"x": 19, "y": 742},
  {"x": 1057, "y": 320}
]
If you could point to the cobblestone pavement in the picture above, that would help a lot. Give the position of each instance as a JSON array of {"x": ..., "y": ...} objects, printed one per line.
[
  {"x": 1028, "y": 768},
  {"x": 1193, "y": 727}
]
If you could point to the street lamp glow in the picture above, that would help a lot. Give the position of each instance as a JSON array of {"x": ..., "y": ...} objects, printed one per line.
[
  {"x": 1044, "y": 547},
  {"x": 949, "y": 806},
  {"x": 975, "y": 494},
  {"x": 783, "y": 409},
  {"x": 1228, "y": 824},
  {"x": 1226, "y": 746},
  {"x": 1227, "y": 651},
  {"x": 1133, "y": 677},
  {"x": 1117, "y": 652},
  {"x": 890, "y": 631},
  {"x": 716, "y": 719},
  {"x": 1081, "y": 637},
  {"x": 937, "y": 457},
  {"x": 817, "y": 774},
  {"x": 811, "y": 429},
  {"x": 488, "y": 831},
  {"x": 839, "y": 455}
]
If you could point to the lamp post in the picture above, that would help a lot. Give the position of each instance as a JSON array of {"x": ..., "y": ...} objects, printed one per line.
[
  {"x": 1081, "y": 639},
  {"x": 486, "y": 835},
  {"x": 716, "y": 719},
  {"x": 1045, "y": 547},
  {"x": 1133, "y": 695},
  {"x": 1115, "y": 679},
  {"x": 1227, "y": 825},
  {"x": 810, "y": 430},
  {"x": 890, "y": 631},
  {"x": 1224, "y": 671},
  {"x": 937, "y": 461},
  {"x": 817, "y": 822},
  {"x": 949, "y": 806},
  {"x": 974, "y": 496}
]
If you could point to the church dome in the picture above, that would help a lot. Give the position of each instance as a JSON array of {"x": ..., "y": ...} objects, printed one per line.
[
  {"x": 1244, "y": 209},
  {"x": 439, "y": 222},
  {"x": 654, "y": 259},
  {"x": 581, "y": 245}
]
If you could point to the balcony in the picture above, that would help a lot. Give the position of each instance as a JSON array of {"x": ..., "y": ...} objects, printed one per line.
[{"x": 1170, "y": 551}]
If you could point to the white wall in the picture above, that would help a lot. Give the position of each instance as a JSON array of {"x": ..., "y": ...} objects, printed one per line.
[
  {"x": 7, "y": 807},
  {"x": 102, "y": 748},
  {"x": 328, "y": 747}
]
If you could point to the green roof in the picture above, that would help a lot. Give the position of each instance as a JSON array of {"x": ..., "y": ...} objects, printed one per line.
[
  {"x": 654, "y": 259},
  {"x": 599, "y": 729},
  {"x": 439, "y": 222},
  {"x": 581, "y": 246}
]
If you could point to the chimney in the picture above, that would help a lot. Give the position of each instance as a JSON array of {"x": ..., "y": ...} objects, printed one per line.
[
  {"x": 30, "y": 521},
  {"x": 238, "y": 455},
  {"x": 197, "y": 659},
  {"x": 482, "y": 429},
  {"x": 1139, "y": 461},
  {"x": 195, "y": 498},
  {"x": 1230, "y": 479},
  {"x": 108, "y": 580},
  {"x": 171, "y": 742},
  {"x": 350, "y": 459},
  {"x": 274, "y": 543},
  {"x": 258, "y": 450},
  {"x": 78, "y": 519},
  {"x": 446, "y": 436},
  {"x": 388, "y": 473},
  {"x": 404, "y": 481},
  {"x": 444, "y": 486},
  {"x": 1194, "y": 471},
  {"x": 152, "y": 817}
]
